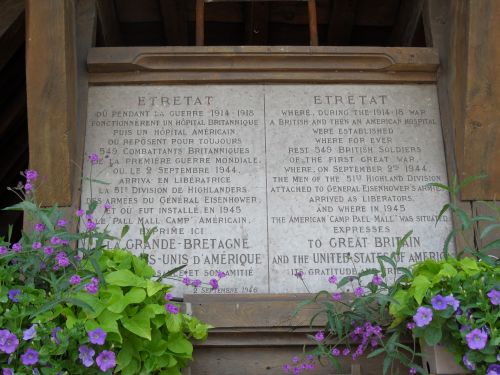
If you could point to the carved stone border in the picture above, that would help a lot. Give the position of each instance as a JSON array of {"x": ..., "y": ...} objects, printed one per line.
[{"x": 248, "y": 64}]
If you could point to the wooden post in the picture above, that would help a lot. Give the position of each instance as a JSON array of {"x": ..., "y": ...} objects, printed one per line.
[
  {"x": 200, "y": 22},
  {"x": 313, "y": 22},
  {"x": 51, "y": 94}
]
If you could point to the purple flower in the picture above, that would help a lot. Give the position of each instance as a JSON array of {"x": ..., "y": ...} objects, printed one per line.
[
  {"x": 172, "y": 309},
  {"x": 346, "y": 352},
  {"x": 80, "y": 212},
  {"x": 168, "y": 296},
  {"x": 36, "y": 245},
  {"x": 196, "y": 283},
  {"x": 97, "y": 336},
  {"x": 452, "y": 301},
  {"x": 28, "y": 186},
  {"x": 359, "y": 291},
  {"x": 494, "y": 296},
  {"x": 476, "y": 339},
  {"x": 53, "y": 335},
  {"x": 439, "y": 302},
  {"x": 107, "y": 206},
  {"x": 93, "y": 286},
  {"x": 214, "y": 283},
  {"x": 29, "y": 333},
  {"x": 413, "y": 371},
  {"x": 62, "y": 259},
  {"x": 377, "y": 280},
  {"x": 47, "y": 250},
  {"x": 286, "y": 368},
  {"x": 423, "y": 316},
  {"x": 17, "y": 247},
  {"x": 299, "y": 275},
  {"x": 7, "y": 371},
  {"x": 75, "y": 280},
  {"x": 3, "y": 250},
  {"x": 90, "y": 225},
  {"x": 55, "y": 240},
  {"x": 221, "y": 274},
  {"x": 30, "y": 357},
  {"x": 61, "y": 223},
  {"x": 39, "y": 227},
  {"x": 295, "y": 359},
  {"x": 186, "y": 281},
  {"x": 467, "y": 363},
  {"x": 319, "y": 336},
  {"x": 106, "y": 360},
  {"x": 410, "y": 325},
  {"x": 86, "y": 355},
  {"x": 13, "y": 293},
  {"x": 31, "y": 174},
  {"x": 337, "y": 296},
  {"x": 493, "y": 369},
  {"x": 332, "y": 279},
  {"x": 93, "y": 158},
  {"x": 296, "y": 370},
  {"x": 335, "y": 352},
  {"x": 8, "y": 341}
]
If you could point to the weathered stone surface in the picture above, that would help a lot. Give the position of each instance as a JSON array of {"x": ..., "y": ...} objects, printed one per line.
[{"x": 265, "y": 181}]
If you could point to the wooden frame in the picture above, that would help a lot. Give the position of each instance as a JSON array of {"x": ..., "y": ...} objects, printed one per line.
[
  {"x": 200, "y": 19},
  {"x": 251, "y": 64}
]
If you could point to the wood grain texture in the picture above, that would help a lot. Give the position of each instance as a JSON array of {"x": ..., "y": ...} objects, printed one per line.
[
  {"x": 261, "y": 64},
  {"x": 11, "y": 28},
  {"x": 109, "y": 23},
  {"x": 51, "y": 95},
  {"x": 86, "y": 25},
  {"x": 481, "y": 139},
  {"x": 342, "y": 19},
  {"x": 406, "y": 24}
]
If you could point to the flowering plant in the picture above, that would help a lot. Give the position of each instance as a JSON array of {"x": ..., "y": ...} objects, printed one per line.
[
  {"x": 453, "y": 302},
  {"x": 70, "y": 306}
]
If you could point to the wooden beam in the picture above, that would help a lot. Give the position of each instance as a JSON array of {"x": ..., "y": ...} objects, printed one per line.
[
  {"x": 256, "y": 23},
  {"x": 11, "y": 28},
  {"x": 174, "y": 15},
  {"x": 51, "y": 93},
  {"x": 86, "y": 30},
  {"x": 406, "y": 24},
  {"x": 200, "y": 22},
  {"x": 342, "y": 20},
  {"x": 313, "y": 22},
  {"x": 109, "y": 23},
  {"x": 481, "y": 140}
]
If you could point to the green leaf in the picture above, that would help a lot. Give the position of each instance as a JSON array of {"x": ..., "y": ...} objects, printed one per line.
[
  {"x": 172, "y": 271},
  {"x": 441, "y": 213},
  {"x": 468, "y": 180},
  {"x": 376, "y": 352},
  {"x": 125, "y": 230},
  {"x": 109, "y": 321},
  {"x": 490, "y": 246},
  {"x": 420, "y": 286},
  {"x": 124, "y": 278},
  {"x": 174, "y": 322},
  {"x": 178, "y": 344},
  {"x": 153, "y": 287},
  {"x": 488, "y": 229},
  {"x": 432, "y": 334},
  {"x": 138, "y": 324},
  {"x": 402, "y": 242},
  {"x": 388, "y": 260},
  {"x": 135, "y": 295}
]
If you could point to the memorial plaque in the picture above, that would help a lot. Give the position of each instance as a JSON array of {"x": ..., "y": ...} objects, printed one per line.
[{"x": 265, "y": 181}]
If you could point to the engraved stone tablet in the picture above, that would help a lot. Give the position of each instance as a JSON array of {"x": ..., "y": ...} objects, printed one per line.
[{"x": 265, "y": 181}]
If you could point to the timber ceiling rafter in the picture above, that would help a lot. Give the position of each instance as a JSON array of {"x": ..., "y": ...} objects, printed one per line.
[{"x": 260, "y": 22}]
